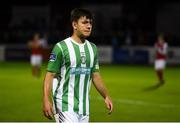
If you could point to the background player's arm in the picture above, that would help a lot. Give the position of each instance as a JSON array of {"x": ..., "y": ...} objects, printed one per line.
[
  {"x": 100, "y": 86},
  {"x": 47, "y": 105},
  {"x": 164, "y": 50}
]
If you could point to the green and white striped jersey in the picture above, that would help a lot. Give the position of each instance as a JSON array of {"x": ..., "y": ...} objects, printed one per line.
[{"x": 74, "y": 63}]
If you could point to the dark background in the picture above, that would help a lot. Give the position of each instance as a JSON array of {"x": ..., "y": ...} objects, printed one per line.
[{"x": 141, "y": 20}]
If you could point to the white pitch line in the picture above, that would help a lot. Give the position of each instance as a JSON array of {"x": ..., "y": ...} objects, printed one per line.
[{"x": 138, "y": 102}]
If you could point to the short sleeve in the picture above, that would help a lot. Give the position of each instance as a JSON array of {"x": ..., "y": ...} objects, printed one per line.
[{"x": 55, "y": 59}]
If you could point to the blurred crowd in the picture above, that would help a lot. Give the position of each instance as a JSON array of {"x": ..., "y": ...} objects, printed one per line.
[{"x": 130, "y": 25}]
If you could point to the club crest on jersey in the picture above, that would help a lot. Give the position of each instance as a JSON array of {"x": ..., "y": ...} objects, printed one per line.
[
  {"x": 52, "y": 57},
  {"x": 83, "y": 58}
]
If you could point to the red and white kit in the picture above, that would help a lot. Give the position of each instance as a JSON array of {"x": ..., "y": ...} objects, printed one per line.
[
  {"x": 36, "y": 53},
  {"x": 161, "y": 55}
]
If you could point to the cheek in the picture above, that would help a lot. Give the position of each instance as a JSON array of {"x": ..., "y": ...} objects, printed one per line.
[{"x": 80, "y": 27}]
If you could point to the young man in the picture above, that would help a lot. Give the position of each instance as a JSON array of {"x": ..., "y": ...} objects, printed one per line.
[
  {"x": 73, "y": 64},
  {"x": 160, "y": 61},
  {"x": 36, "y": 47}
]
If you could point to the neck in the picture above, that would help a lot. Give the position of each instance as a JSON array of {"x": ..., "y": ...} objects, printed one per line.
[{"x": 78, "y": 39}]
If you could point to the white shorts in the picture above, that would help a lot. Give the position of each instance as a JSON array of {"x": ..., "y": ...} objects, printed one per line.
[
  {"x": 160, "y": 64},
  {"x": 36, "y": 60},
  {"x": 71, "y": 117}
]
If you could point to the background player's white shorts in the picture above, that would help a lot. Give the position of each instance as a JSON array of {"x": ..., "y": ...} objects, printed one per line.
[
  {"x": 71, "y": 117},
  {"x": 36, "y": 60},
  {"x": 160, "y": 64}
]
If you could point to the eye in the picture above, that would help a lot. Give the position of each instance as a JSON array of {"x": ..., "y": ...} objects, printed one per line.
[{"x": 85, "y": 22}]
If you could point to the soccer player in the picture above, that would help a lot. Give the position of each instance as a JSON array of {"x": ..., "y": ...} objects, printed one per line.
[
  {"x": 160, "y": 61},
  {"x": 36, "y": 46},
  {"x": 72, "y": 65}
]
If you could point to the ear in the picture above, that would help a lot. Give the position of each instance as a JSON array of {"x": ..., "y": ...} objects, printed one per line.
[{"x": 74, "y": 24}]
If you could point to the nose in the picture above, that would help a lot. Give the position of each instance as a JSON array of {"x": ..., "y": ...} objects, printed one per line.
[{"x": 89, "y": 26}]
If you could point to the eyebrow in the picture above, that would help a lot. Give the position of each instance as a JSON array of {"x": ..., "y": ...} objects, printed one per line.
[{"x": 89, "y": 20}]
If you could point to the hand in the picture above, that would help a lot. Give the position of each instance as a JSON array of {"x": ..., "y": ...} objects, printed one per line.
[
  {"x": 109, "y": 104},
  {"x": 47, "y": 110}
]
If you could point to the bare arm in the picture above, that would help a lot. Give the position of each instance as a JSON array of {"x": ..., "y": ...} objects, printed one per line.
[
  {"x": 47, "y": 105},
  {"x": 100, "y": 86}
]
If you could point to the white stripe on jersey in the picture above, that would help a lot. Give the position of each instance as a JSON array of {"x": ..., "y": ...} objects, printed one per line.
[
  {"x": 81, "y": 84},
  {"x": 87, "y": 95},
  {"x": 72, "y": 56},
  {"x": 89, "y": 83},
  {"x": 54, "y": 86},
  {"x": 60, "y": 90}
]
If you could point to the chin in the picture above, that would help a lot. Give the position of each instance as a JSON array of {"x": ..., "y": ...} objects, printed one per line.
[{"x": 87, "y": 35}]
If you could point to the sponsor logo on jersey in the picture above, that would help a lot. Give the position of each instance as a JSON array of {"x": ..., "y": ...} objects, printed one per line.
[
  {"x": 52, "y": 57},
  {"x": 80, "y": 70}
]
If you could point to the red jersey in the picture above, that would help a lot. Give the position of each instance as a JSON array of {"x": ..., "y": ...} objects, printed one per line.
[
  {"x": 36, "y": 48},
  {"x": 161, "y": 50}
]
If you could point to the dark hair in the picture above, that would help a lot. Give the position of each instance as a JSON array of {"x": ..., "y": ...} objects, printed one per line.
[{"x": 79, "y": 12}]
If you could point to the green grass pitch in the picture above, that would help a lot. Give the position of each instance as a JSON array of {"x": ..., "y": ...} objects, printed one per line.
[{"x": 21, "y": 94}]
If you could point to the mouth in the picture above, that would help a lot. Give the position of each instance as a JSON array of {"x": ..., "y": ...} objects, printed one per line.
[{"x": 87, "y": 31}]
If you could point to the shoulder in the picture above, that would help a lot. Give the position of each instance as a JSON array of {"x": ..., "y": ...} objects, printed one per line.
[
  {"x": 92, "y": 44},
  {"x": 58, "y": 46},
  {"x": 62, "y": 42}
]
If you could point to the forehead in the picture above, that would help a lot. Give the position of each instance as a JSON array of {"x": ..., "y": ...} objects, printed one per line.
[{"x": 84, "y": 18}]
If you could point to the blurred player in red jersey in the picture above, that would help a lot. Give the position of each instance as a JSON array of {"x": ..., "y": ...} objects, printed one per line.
[
  {"x": 161, "y": 56},
  {"x": 36, "y": 46}
]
